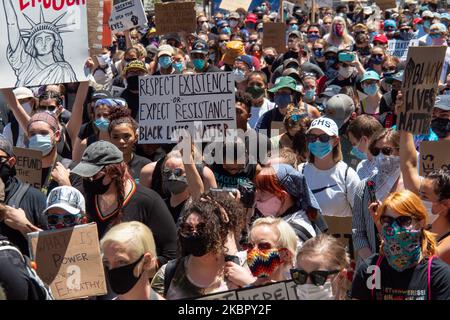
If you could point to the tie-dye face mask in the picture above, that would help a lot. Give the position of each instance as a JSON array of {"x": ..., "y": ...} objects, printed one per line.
[{"x": 263, "y": 263}]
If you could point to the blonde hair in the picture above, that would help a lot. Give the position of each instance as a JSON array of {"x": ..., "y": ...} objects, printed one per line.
[
  {"x": 345, "y": 36},
  {"x": 137, "y": 237},
  {"x": 286, "y": 234},
  {"x": 407, "y": 203}
]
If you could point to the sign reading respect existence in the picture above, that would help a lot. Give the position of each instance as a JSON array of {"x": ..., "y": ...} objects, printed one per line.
[
  {"x": 419, "y": 88},
  {"x": 175, "y": 17},
  {"x": 43, "y": 42},
  {"x": 28, "y": 166},
  {"x": 127, "y": 15},
  {"x": 399, "y": 48},
  {"x": 202, "y": 104},
  {"x": 69, "y": 261},
  {"x": 434, "y": 155}
]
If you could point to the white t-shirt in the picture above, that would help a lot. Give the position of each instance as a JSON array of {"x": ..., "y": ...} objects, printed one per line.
[
  {"x": 258, "y": 112},
  {"x": 334, "y": 192},
  {"x": 7, "y": 132},
  {"x": 301, "y": 219}
]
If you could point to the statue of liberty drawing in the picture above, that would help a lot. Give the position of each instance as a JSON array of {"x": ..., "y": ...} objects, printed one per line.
[{"x": 37, "y": 54}]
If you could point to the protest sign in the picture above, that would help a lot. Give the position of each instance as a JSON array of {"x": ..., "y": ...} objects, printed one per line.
[
  {"x": 202, "y": 104},
  {"x": 399, "y": 48},
  {"x": 233, "y": 5},
  {"x": 341, "y": 228},
  {"x": 127, "y": 15},
  {"x": 386, "y": 4},
  {"x": 175, "y": 17},
  {"x": 419, "y": 88},
  {"x": 99, "y": 33},
  {"x": 434, "y": 155},
  {"x": 28, "y": 166},
  {"x": 275, "y": 36},
  {"x": 228, "y": 295},
  {"x": 320, "y": 3},
  {"x": 69, "y": 261},
  {"x": 43, "y": 42},
  {"x": 149, "y": 5}
]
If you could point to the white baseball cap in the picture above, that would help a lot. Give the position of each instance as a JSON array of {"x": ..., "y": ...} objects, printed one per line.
[
  {"x": 23, "y": 93},
  {"x": 326, "y": 125},
  {"x": 67, "y": 198}
]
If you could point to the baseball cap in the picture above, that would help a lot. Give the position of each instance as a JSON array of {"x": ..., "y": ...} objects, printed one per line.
[
  {"x": 367, "y": 10},
  {"x": 47, "y": 117},
  {"x": 390, "y": 23},
  {"x": 436, "y": 15},
  {"x": 442, "y": 102},
  {"x": 67, "y": 198},
  {"x": 331, "y": 90},
  {"x": 339, "y": 108},
  {"x": 380, "y": 38},
  {"x": 172, "y": 36},
  {"x": 251, "y": 17},
  {"x": 96, "y": 157},
  {"x": 445, "y": 16},
  {"x": 396, "y": 76},
  {"x": 292, "y": 72},
  {"x": 200, "y": 46},
  {"x": 325, "y": 124},
  {"x": 165, "y": 49},
  {"x": 234, "y": 15},
  {"x": 247, "y": 60},
  {"x": 438, "y": 27},
  {"x": 295, "y": 33},
  {"x": 23, "y": 93},
  {"x": 291, "y": 63},
  {"x": 427, "y": 14},
  {"x": 135, "y": 65},
  {"x": 6, "y": 146},
  {"x": 411, "y": 2},
  {"x": 101, "y": 94},
  {"x": 370, "y": 75},
  {"x": 222, "y": 23},
  {"x": 285, "y": 82},
  {"x": 331, "y": 49}
]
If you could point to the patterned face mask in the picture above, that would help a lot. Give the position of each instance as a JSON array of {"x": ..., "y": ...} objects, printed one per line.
[
  {"x": 402, "y": 246},
  {"x": 263, "y": 263}
]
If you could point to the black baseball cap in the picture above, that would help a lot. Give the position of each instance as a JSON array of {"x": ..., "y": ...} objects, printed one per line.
[{"x": 200, "y": 46}]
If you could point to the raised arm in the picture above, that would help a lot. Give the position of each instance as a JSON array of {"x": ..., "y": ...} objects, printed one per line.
[
  {"x": 19, "y": 112},
  {"x": 74, "y": 124},
  {"x": 408, "y": 162},
  {"x": 12, "y": 24},
  {"x": 194, "y": 180}
]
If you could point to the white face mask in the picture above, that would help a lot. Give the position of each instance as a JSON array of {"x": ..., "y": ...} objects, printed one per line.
[
  {"x": 233, "y": 23},
  {"x": 310, "y": 291},
  {"x": 346, "y": 72},
  {"x": 27, "y": 107},
  {"x": 431, "y": 217}
]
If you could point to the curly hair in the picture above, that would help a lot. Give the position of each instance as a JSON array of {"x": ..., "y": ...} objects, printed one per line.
[
  {"x": 120, "y": 115},
  {"x": 221, "y": 216}
]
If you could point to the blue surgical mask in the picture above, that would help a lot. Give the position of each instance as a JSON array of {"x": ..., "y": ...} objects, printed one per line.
[
  {"x": 178, "y": 66},
  {"x": 320, "y": 149},
  {"x": 358, "y": 153},
  {"x": 377, "y": 60},
  {"x": 435, "y": 35},
  {"x": 371, "y": 90},
  {"x": 239, "y": 75},
  {"x": 313, "y": 37},
  {"x": 282, "y": 99},
  {"x": 199, "y": 64},
  {"x": 293, "y": 27},
  {"x": 309, "y": 94},
  {"x": 330, "y": 62},
  {"x": 41, "y": 143},
  {"x": 165, "y": 62},
  {"x": 102, "y": 124},
  {"x": 318, "y": 53},
  {"x": 427, "y": 24},
  {"x": 226, "y": 30}
]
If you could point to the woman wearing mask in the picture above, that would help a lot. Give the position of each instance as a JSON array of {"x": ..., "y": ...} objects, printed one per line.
[
  {"x": 206, "y": 237},
  {"x": 321, "y": 268},
  {"x": 294, "y": 121},
  {"x": 112, "y": 197},
  {"x": 370, "y": 83},
  {"x": 318, "y": 53},
  {"x": 377, "y": 57},
  {"x": 130, "y": 260},
  {"x": 338, "y": 35},
  {"x": 407, "y": 264},
  {"x": 348, "y": 69},
  {"x": 313, "y": 34},
  {"x": 256, "y": 87},
  {"x": 384, "y": 147},
  {"x": 179, "y": 61}
]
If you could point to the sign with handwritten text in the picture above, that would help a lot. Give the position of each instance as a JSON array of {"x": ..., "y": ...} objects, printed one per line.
[
  {"x": 29, "y": 166},
  {"x": 434, "y": 155},
  {"x": 127, "y": 15}
]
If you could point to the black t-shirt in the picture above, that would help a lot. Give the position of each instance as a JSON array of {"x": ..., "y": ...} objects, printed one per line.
[
  {"x": 265, "y": 122},
  {"x": 132, "y": 100},
  {"x": 86, "y": 130},
  {"x": 49, "y": 184},
  {"x": 176, "y": 211},
  {"x": 136, "y": 164},
  {"x": 410, "y": 284},
  {"x": 146, "y": 206},
  {"x": 211, "y": 68},
  {"x": 226, "y": 180},
  {"x": 351, "y": 81},
  {"x": 33, "y": 203}
]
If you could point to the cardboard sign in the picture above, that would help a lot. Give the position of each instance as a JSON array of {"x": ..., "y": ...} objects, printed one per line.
[
  {"x": 228, "y": 295},
  {"x": 386, "y": 4},
  {"x": 233, "y": 5},
  {"x": 149, "y": 5},
  {"x": 175, "y": 17},
  {"x": 275, "y": 36},
  {"x": 434, "y": 155},
  {"x": 127, "y": 15},
  {"x": 399, "y": 48},
  {"x": 99, "y": 34},
  {"x": 69, "y": 261},
  {"x": 419, "y": 88},
  {"x": 30, "y": 58},
  {"x": 341, "y": 228},
  {"x": 320, "y": 3},
  {"x": 29, "y": 166},
  {"x": 202, "y": 104},
  {"x": 117, "y": 91}
]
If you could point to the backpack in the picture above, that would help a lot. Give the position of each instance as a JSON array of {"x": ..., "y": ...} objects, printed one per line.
[
  {"x": 169, "y": 273},
  {"x": 40, "y": 287},
  {"x": 16, "y": 198}
]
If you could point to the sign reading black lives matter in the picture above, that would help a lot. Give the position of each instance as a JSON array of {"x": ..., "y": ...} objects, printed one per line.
[
  {"x": 201, "y": 104},
  {"x": 420, "y": 87}
]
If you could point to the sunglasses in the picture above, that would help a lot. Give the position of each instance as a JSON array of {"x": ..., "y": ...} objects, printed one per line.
[
  {"x": 177, "y": 172},
  {"x": 187, "y": 229},
  {"x": 377, "y": 56},
  {"x": 261, "y": 246},
  {"x": 50, "y": 108},
  {"x": 387, "y": 151},
  {"x": 313, "y": 32},
  {"x": 402, "y": 221},
  {"x": 322, "y": 137},
  {"x": 389, "y": 69},
  {"x": 66, "y": 219},
  {"x": 318, "y": 277}
]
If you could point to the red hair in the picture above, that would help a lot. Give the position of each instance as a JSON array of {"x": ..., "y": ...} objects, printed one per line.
[{"x": 267, "y": 180}]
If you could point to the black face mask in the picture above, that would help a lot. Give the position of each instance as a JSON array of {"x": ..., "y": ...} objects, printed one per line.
[
  {"x": 6, "y": 172},
  {"x": 95, "y": 187},
  {"x": 269, "y": 59},
  {"x": 195, "y": 244},
  {"x": 175, "y": 185},
  {"x": 122, "y": 279},
  {"x": 133, "y": 83},
  {"x": 441, "y": 127}
]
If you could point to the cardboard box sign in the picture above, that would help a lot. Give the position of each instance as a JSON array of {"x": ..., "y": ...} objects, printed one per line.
[
  {"x": 175, "y": 17},
  {"x": 233, "y": 5},
  {"x": 274, "y": 35},
  {"x": 341, "y": 228},
  {"x": 69, "y": 261},
  {"x": 29, "y": 166},
  {"x": 434, "y": 155},
  {"x": 386, "y": 4}
]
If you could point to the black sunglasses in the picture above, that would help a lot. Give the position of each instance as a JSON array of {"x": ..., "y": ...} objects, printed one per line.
[
  {"x": 402, "y": 221},
  {"x": 66, "y": 219},
  {"x": 50, "y": 108},
  {"x": 387, "y": 151},
  {"x": 260, "y": 246},
  {"x": 177, "y": 172},
  {"x": 377, "y": 56},
  {"x": 322, "y": 137},
  {"x": 187, "y": 229},
  {"x": 318, "y": 277}
]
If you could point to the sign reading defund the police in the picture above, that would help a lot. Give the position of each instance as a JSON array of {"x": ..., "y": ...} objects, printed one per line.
[
  {"x": 171, "y": 106},
  {"x": 127, "y": 15},
  {"x": 42, "y": 42},
  {"x": 69, "y": 261},
  {"x": 419, "y": 88},
  {"x": 29, "y": 166}
]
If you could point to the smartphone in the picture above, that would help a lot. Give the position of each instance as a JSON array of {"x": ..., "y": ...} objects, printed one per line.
[
  {"x": 346, "y": 57},
  {"x": 371, "y": 189},
  {"x": 231, "y": 258}
]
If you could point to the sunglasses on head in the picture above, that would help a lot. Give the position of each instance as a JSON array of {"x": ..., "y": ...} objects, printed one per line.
[
  {"x": 387, "y": 151},
  {"x": 402, "y": 221},
  {"x": 186, "y": 228},
  {"x": 318, "y": 277},
  {"x": 260, "y": 246},
  {"x": 313, "y": 137},
  {"x": 66, "y": 219}
]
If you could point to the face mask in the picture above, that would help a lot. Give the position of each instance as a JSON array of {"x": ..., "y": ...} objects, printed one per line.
[
  {"x": 212, "y": 57},
  {"x": 427, "y": 24},
  {"x": 233, "y": 23},
  {"x": 441, "y": 127},
  {"x": 402, "y": 246},
  {"x": 133, "y": 83},
  {"x": 309, "y": 95},
  {"x": 309, "y": 291},
  {"x": 320, "y": 149},
  {"x": 345, "y": 72},
  {"x": 6, "y": 172},
  {"x": 431, "y": 217},
  {"x": 313, "y": 37},
  {"x": 175, "y": 185},
  {"x": 387, "y": 164},
  {"x": 95, "y": 187},
  {"x": 41, "y": 143},
  {"x": 199, "y": 64},
  {"x": 194, "y": 244},
  {"x": 239, "y": 75},
  {"x": 122, "y": 279},
  {"x": 293, "y": 27},
  {"x": 256, "y": 92},
  {"x": 250, "y": 26},
  {"x": 165, "y": 62},
  {"x": 364, "y": 51},
  {"x": 318, "y": 53},
  {"x": 377, "y": 60},
  {"x": 435, "y": 35},
  {"x": 270, "y": 207},
  {"x": 371, "y": 90},
  {"x": 27, "y": 107},
  {"x": 338, "y": 30},
  {"x": 263, "y": 263},
  {"x": 330, "y": 62},
  {"x": 102, "y": 124},
  {"x": 178, "y": 66},
  {"x": 226, "y": 30},
  {"x": 282, "y": 99},
  {"x": 205, "y": 26},
  {"x": 269, "y": 59}
]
